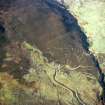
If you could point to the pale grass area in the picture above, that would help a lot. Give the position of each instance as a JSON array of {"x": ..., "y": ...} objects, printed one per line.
[
  {"x": 49, "y": 81},
  {"x": 52, "y": 73}
]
